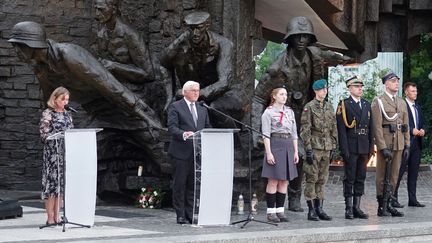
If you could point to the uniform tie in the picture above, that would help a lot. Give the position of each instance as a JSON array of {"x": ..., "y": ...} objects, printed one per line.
[
  {"x": 194, "y": 114},
  {"x": 359, "y": 104}
]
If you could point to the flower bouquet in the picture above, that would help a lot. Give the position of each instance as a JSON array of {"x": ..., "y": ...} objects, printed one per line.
[{"x": 150, "y": 197}]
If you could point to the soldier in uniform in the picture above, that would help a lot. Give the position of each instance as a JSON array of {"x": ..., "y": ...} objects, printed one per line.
[
  {"x": 123, "y": 52},
  {"x": 319, "y": 134},
  {"x": 353, "y": 117},
  {"x": 207, "y": 57},
  {"x": 390, "y": 129}
]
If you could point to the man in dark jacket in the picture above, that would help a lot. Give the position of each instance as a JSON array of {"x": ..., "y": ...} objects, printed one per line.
[
  {"x": 354, "y": 123},
  {"x": 417, "y": 132},
  {"x": 185, "y": 118}
]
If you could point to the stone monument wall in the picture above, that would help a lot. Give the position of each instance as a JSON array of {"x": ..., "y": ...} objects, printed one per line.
[{"x": 159, "y": 21}]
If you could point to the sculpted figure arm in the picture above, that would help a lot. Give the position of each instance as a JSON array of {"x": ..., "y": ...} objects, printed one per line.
[
  {"x": 224, "y": 70},
  {"x": 82, "y": 65},
  {"x": 142, "y": 67}
]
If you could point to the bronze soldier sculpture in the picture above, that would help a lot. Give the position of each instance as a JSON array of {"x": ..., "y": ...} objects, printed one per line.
[
  {"x": 91, "y": 84},
  {"x": 206, "y": 57},
  {"x": 296, "y": 68},
  {"x": 123, "y": 52},
  {"x": 392, "y": 139},
  {"x": 354, "y": 125}
]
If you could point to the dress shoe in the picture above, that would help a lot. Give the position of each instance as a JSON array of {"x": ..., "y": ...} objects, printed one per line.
[
  {"x": 181, "y": 220},
  {"x": 416, "y": 204},
  {"x": 396, "y": 204},
  {"x": 50, "y": 224},
  {"x": 282, "y": 217},
  {"x": 271, "y": 217},
  {"x": 189, "y": 219}
]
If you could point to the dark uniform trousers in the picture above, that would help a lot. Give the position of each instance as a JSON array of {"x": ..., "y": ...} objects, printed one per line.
[
  {"x": 355, "y": 174},
  {"x": 355, "y": 143}
]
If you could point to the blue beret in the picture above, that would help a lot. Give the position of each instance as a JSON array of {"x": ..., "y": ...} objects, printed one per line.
[
  {"x": 319, "y": 84},
  {"x": 389, "y": 75}
]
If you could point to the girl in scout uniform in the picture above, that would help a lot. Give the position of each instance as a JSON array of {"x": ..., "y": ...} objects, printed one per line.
[{"x": 281, "y": 153}]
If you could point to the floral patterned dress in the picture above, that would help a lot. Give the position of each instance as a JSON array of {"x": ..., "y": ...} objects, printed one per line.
[{"x": 53, "y": 122}]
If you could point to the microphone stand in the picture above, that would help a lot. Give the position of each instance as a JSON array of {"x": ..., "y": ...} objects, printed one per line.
[{"x": 250, "y": 216}]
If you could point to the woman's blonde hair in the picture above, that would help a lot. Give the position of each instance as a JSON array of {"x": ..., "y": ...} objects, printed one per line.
[{"x": 55, "y": 94}]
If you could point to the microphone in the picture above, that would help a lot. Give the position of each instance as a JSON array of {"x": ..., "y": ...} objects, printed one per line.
[
  {"x": 68, "y": 108},
  {"x": 202, "y": 103}
]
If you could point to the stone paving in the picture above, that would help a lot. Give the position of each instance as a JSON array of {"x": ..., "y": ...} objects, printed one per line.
[{"x": 120, "y": 223}]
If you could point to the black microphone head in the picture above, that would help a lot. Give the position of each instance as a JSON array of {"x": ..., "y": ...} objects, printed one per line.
[
  {"x": 68, "y": 108},
  {"x": 201, "y": 103}
]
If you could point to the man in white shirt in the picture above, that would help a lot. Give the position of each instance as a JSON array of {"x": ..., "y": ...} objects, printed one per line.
[
  {"x": 184, "y": 118},
  {"x": 417, "y": 132}
]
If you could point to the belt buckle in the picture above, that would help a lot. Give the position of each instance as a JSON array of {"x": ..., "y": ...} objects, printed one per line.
[{"x": 362, "y": 131}]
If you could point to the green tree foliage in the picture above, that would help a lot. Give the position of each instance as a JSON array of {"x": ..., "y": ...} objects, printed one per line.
[
  {"x": 420, "y": 67},
  {"x": 264, "y": 60}
]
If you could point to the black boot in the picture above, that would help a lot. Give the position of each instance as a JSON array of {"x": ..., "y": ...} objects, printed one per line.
[
  {"x": 382, "y": 209},
  {"x": 395, "y": 203},
  {"x": 319, "y": 211},
  {"x": 311, "y": 214},
  {"x": 349, "y": 208},
  {"x": 393, "y": 211},
  {"x": 357, "y": 212},
  {"x": 294, "y": 200}
]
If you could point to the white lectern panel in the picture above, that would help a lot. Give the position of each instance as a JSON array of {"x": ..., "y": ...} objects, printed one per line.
[
  {"x": 217, "y": 169},
  {"x": 80, "y": 175}
]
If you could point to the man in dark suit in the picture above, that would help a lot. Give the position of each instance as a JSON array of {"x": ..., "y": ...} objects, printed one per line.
[
  {"x": 417, "y": 132},
  {"x": 185, "y": 118},
  {"x": 354, "y": 123}
]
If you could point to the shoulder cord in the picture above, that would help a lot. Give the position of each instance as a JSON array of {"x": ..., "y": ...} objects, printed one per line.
[
  {"x": 353, "y": 123},
  {"x": 393, "y": 118}
]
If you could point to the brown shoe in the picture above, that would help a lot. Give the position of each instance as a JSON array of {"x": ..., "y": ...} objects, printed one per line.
[
  {"x": 271, "y": 217},
  {"x": 282, "y": 217}
]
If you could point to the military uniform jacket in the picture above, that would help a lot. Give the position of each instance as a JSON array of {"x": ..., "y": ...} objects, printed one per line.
[
  {"x": 383, "y": 136},
  {"x": 356, "y": 140},
  {"x": 318, "y": 126}
]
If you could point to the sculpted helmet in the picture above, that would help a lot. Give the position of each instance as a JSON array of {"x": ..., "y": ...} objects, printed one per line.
[
  {"x": 29, "y": 33},
  {"x": 300, "y": 25}
]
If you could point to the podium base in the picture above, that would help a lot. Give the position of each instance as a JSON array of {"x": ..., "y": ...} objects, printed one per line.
[
  {"x": 249, "y": 219},
  {"x": 63, "y": 223}
]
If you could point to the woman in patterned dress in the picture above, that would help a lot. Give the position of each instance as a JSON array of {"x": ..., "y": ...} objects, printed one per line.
[{"x": 54, "y": 119}]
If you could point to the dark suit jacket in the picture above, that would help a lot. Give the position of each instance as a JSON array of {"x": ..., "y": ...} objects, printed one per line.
[
  {"x": 349, "y": 141},
  {"x": 180, "y": 120},
  {"x": 412, "y": 125}
]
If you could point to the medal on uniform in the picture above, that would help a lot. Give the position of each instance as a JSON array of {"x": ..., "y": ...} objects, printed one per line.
[{"x": 278, "y": 124}]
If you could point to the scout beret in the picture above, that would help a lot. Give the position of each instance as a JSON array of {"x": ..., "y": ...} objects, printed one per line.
[
  {"x": 353, "y": 80},
  {"x": 196, "y": 18},
  {"x": 279, "y": 86},
  {"x": 319, "y": 84},
  {"x": 389, "y": 75}
]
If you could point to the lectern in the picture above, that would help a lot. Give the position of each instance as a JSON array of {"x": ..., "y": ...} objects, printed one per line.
[
  {"x": 214, "y": 170},
  {"x": 80, "y": 175}
]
